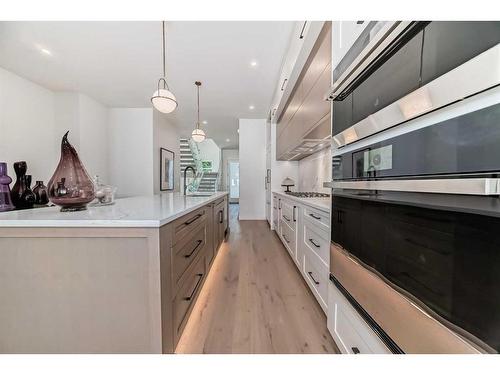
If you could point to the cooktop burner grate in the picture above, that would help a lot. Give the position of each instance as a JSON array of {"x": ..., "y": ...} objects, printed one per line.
[{"x": 308, "y": 194}]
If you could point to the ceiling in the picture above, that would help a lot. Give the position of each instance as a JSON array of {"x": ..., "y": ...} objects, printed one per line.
[{"x": 118, "y": 63}]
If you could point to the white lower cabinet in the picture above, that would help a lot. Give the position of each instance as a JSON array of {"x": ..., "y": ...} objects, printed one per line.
[
  {"x": 350, "y": 332},
  {"x": 305, "y": 232},
  {"x": 316, "y": 275}
]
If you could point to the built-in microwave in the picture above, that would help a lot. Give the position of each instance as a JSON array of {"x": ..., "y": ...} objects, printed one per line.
[{"x": 416, "y": 197}]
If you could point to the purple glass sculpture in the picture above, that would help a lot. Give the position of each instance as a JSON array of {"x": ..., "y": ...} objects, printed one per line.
[
  {"x": 5, "y": 180},
  {"x": 70, "y": 187},
  {"x": 41, "y": 193}
]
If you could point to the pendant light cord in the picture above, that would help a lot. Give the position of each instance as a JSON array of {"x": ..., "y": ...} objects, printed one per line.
[
  {"x": 163, "y": 48},
  {"x": 198, "y": 123}
]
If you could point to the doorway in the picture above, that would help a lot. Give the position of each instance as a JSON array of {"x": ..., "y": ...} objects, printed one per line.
[{"x": 233, "y": 180}]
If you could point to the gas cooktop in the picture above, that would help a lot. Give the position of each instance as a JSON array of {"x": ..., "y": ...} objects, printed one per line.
[{"x": 307, "y": 194}]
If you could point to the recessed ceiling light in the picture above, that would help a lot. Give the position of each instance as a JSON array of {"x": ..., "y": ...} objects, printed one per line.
[
  {"x": 253, "y": 63},
  {"x": 204, "y": 122},
  {"x": 251, "y": 107},
  {"x": 228, "y": 140},
  {"x": 45, "y": 51},
  {"x": 238, "y": 130}
]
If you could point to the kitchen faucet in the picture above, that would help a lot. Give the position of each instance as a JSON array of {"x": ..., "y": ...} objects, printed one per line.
[{"x": 185, "y": 171}]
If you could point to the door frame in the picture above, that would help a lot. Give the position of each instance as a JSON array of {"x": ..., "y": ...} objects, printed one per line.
[{"x": 228, "y": 162}]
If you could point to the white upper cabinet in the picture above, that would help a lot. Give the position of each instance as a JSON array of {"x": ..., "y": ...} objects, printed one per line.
[{"x": 344, "y": 34}]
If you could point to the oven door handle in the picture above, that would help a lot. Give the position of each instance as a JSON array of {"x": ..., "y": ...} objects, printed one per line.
[{"x": 467, "y": 186}]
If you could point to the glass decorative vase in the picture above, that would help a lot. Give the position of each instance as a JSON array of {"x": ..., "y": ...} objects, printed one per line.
[
  {"x": 41, "y": 193},
  {"x": 70, "y": 187},
  {"x": 5, "y": 197},
  {"x": 20, "y": 168},
  {"x": 27, "y": 197}
]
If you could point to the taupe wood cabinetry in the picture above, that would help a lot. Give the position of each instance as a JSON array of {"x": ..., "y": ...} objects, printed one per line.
[
  {"x": 220, "y": 221},
  {"x": 103, "y": 289},
  {"x": 196, "y": 239},
  {"x": 307, "y": 107}
]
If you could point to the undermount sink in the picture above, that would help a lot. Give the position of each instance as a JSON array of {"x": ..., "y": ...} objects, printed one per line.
[{"x": 199, "y": 195}]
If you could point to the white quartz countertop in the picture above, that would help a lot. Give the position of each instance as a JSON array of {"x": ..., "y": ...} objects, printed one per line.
[
  {"x": 322, "y": 204},
  {"x": 143, "y": 211}
]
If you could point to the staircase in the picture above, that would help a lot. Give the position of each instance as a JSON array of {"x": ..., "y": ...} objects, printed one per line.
[
  {"x": 186, "y": 155},
  {"x": 205, "y": 182},
  {"x": 208, "y": 183}
]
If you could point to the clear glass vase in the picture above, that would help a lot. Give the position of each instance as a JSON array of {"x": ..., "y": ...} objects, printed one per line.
[{"x": 70, "y": 187}]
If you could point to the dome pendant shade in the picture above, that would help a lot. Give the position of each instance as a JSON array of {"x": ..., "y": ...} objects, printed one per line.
[
  {"x": 198, "y": 135},
  {"x": 164, "y": 101}
]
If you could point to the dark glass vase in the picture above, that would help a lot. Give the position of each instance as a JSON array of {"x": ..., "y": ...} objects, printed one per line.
[
  {"x": 41, "y": 193},
  {"x": 5, "y": 197},
  {"x": 27, "y": 199},
  {"x": 70, "y": 187},
  {"x": 20, "y": 168}
]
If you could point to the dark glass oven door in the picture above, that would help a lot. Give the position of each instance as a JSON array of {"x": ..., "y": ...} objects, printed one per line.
[{"x": 446, "y": 260}]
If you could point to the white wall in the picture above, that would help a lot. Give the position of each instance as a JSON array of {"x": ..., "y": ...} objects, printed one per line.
[
  {"x": 167, "y": 136},
  {"x": 252, "y": 157},
  {"x": 121, "y": 145},
  {"x": 131, "y": 150},
  {"x": 87, "y": 122},
  {"x": 227, "y": 154},
  {"x": 314, "y": 170},
  {"x": 27, "y": 126},
  {"x": 210, "y": 151},
  {"x": 94, "y": 132}
]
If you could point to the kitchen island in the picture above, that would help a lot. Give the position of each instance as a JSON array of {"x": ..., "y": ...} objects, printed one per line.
[{"x": 111, "y": 279}]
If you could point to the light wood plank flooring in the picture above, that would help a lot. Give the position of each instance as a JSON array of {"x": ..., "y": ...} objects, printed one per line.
[{"x": 255, "y": 300}]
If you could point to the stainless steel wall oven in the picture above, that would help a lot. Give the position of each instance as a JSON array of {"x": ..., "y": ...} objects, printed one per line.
[{"x": 416, "y": 208}]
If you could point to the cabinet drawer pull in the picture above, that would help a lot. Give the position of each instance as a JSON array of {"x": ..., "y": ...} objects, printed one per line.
[
  {"x": 286, "y": 239},
  {"x": 200, "y": 275},
  {"x": 312, "y": 278},
  {"x": 301, "y": 36},
  {"x": 279, "y": 204},
  {"x": 199, "y": 242},
  {"x": 286, "y": 218},
  {"x": 314, "y": 243},
  {"x": 294, "y": 219},
  {"x": 283, "y": 84},
  {"x": 221, "y": 217},
  {"x": 193, "y": 219},
  {"x": 355, "y": 350},
  {"x": 315, "y": 217}
]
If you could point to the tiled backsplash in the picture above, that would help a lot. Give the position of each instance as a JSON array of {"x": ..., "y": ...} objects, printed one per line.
[{"x": 314, "y": 170}]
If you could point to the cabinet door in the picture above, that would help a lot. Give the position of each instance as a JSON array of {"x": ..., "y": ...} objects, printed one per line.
[
  {"x": 448, "y": 44},
  {"x": 342, "y": 115},
  {"x": 398, "y": 76},
  {"x": 346, "y": 224}
]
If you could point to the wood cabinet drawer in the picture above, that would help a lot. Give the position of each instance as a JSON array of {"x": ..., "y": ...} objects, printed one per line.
[
  {"x": 348, "y": 329},
  {"x": 289, "y": 238},
  {"x": 317, "y": 241},
  {"x": 187, "y": 294},
  {"x": 318, "y": 218},
  {"x": 186, "y": 223},
  {"x": 316, "y": 274},
  {"x": 187, "y": 249}
]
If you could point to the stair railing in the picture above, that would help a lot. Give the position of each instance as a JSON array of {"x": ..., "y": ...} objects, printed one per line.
[{"x": 194, "y": 184}]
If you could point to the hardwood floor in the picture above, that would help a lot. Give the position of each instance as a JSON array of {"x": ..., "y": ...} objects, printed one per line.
[{"x": 255, "y": 300}]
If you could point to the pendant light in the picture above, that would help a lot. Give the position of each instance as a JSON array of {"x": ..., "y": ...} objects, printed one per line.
[
  {"x": 198, "y": 134},
  {"x": 163, "y": 100}
]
